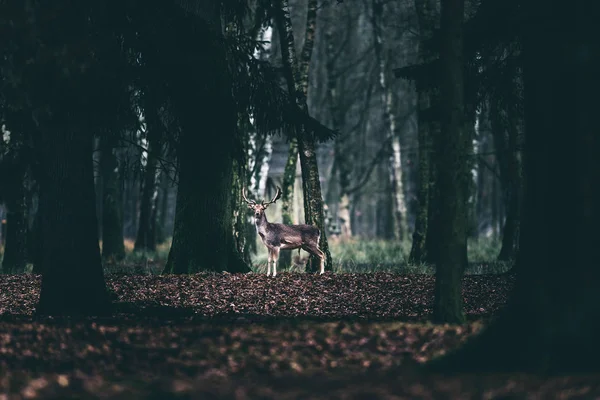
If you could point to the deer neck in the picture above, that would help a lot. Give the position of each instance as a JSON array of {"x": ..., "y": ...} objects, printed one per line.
[{"x": 261, "y": 224}]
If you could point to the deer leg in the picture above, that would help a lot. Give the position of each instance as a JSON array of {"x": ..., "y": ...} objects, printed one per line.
[
  {"x": 275, "y": 259},
  {"x": 315, "y": 251},
  {"x": 269, "y": 262}
]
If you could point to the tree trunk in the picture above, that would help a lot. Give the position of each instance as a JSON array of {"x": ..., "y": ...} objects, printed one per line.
[
  {"x": 426, "y": 14},
  {"x": 558, "y": 308},
  {"x": 452, "y": 146},
  {"x": 432, "y": 237},
  {"x": 113, "y": 247},
  {"x": 146, "y": 234},
  {"x": 296, "y": 75},
  {"x": 287, "y": 197},
  {"x": 72, "y": 279},
  {"x": 162, "y": 208},
  {"x": 15, "y": 246},
  {"x": 203, "y": 235},
  {"x": 417, "y": 252}
]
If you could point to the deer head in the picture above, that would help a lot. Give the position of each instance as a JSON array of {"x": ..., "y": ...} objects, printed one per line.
[{"x": 259, "y": 208}]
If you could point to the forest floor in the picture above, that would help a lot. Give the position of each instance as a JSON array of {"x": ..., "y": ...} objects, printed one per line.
[{"x": 346, "y": 336}]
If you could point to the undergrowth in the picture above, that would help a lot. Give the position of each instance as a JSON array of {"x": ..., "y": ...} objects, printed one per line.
[{"x": 375, "y": 255}]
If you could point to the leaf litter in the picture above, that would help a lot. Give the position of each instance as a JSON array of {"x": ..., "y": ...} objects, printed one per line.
[{"x": 346, "y": 336}]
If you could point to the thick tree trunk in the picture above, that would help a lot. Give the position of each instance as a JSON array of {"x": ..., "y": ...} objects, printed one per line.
[
  {"x": 450, "y": 152},
  {"x": 113, "y": 247},
  {"x": 203, "y": 233},
  {"x": 558, "y": 308},
  {"x": 296, "y": 74},
  {"x": 146, "y": 234},
  {"x": 15, "y": 246},
  {"x": 72, "y": 279}
]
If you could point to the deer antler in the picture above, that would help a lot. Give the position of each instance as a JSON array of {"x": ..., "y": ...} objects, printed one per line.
[
  {"x": 244, "y": 196},
  {"x": 277, "y": 196}
]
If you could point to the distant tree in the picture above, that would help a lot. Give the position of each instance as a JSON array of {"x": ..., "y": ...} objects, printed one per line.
[
  {"x": 450, "y": 149},
  {"x": 392, "y": 139},
  {"x": 296, "y": 75}
]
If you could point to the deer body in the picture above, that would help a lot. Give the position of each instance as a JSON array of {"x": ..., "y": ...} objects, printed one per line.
[{"x": 287, "y": 237}]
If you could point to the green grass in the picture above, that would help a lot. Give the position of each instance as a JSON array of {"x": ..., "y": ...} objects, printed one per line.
[{"x": 374, "y": 255}]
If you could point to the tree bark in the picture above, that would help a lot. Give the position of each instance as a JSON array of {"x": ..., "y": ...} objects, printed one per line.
[
  {"x": 72, "y": 279},
  {"x": 450, "y": 156},
  {"x": 558, "y": 309},
  {"x": 113, "y": 247},
  {"x": 296, "y": 74}
]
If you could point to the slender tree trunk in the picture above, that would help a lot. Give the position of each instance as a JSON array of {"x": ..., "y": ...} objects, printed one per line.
[
  {"x": 72, "y": 279},
  {"x": 287, "y": 197},
  {"x": 203, "y": 235},
  {"x": 558, "y": 309},
  {"x": 394, "y": 151},
  {"x": 15, "y": 246},
  {"x": 296, "y": 74},
  {"x": 146, "y": 235},
  {"x": 113, "y": 247},
  {"x": 451, "y": 170}
]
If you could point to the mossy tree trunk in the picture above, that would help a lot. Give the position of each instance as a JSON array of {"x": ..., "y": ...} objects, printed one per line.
[
  {"x": 72, "y": 279},
  {"x": 203, "y": 235},
  {"x": 550, "y": 325},
  {"x": 451, "y": 161},
  {"x": 113, "y": 247},
  {"x": 296, "y": 75}
]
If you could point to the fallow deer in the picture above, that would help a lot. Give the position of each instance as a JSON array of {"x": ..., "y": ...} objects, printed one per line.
[{"x": 278, "y": 237}]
